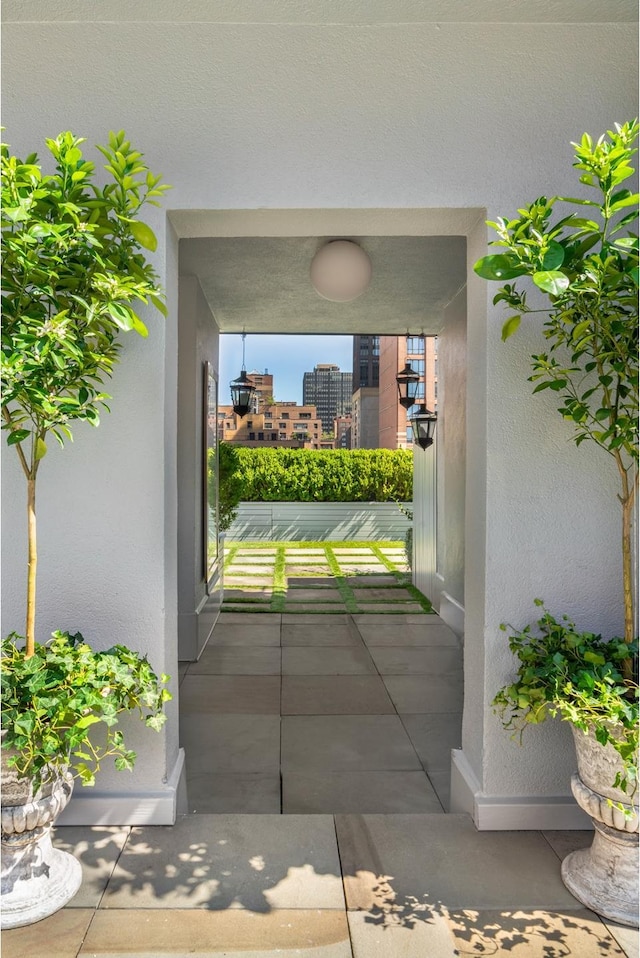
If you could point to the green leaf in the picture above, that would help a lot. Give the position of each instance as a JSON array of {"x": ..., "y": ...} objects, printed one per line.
[
  {"x": 17, "y": 435},
  {"x": 499, "y": 266},
  {"x": 554, "y": 256},
  {"x": 144, "y": 235},
  {"x": 627, "y": 201},
  {"x": 40, "y": 449},
  {"x": 551, "y": 281},
  {"x": 510, "y": 327}
]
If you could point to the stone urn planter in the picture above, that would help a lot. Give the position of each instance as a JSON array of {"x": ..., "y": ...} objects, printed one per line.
[
  {"x": 37, "y": 879},
  {"x": 604, "y": 877}
]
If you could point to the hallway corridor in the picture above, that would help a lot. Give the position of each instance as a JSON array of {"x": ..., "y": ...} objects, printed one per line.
[{"x": 322, "y": 714}]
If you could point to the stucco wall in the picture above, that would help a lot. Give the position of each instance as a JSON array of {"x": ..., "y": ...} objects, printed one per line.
[{"x": 402, "y": 104}]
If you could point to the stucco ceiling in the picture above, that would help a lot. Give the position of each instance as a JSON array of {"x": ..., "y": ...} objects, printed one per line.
[{"x": 262, "y": 285}]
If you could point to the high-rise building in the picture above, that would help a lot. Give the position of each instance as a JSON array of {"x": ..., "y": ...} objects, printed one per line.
[
  {"x": 422, "y": 352},
  {"x": 366, "y": 380},
  {"x": 329, "y": 390},
  {"x": 366, "y": 361}
]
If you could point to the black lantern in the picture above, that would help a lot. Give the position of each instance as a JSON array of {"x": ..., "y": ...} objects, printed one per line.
[
  {"x": 407, "y": 380},
  {"x": 423, "y": 423},
  {"x": 242, "y": 389}
]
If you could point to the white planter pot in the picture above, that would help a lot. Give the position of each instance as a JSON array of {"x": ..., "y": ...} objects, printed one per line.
[
  {"x": 36, "y": 878},
  {"x": 604, "y": 877}
]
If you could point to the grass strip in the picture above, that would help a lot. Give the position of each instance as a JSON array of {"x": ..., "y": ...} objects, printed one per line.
[
  {"x": 279, "y": 593},
  {"x": 230, "y": 556},
  {"x": 315, "y": 544},
  {"x": 345, "y": 590}
]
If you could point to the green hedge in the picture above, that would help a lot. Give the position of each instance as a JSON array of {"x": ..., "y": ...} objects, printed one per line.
[{"x": 308, "y": 475}]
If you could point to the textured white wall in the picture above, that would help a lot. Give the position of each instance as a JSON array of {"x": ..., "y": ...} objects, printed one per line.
[{"x": 422, "y": 112}]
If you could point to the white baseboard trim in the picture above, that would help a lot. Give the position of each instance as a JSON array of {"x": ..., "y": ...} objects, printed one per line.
[
  {"x": 452, "y": 614},
  {"x": 507, "y": 812},
  {"x": 155, "y": 807}
]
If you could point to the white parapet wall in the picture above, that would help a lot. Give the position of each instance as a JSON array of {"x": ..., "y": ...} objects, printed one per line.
[{"x": 313, "y": 521}]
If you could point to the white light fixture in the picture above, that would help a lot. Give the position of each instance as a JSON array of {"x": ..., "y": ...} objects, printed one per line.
[{"x": 340, "y": 271}]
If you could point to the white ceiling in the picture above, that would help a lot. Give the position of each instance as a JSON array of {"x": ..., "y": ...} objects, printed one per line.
[{"x": 261, "y": 284}]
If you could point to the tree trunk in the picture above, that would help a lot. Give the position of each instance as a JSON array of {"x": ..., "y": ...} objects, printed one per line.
[{"x": 32, "y": 566}]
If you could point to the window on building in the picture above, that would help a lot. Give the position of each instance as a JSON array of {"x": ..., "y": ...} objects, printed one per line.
[
  {"x": 305, "y": 415},
  {"x": 375, "y": 379},
  {"x": 415, "y": 345},
  {"x": 282, "y": 435},
  {"x": 252, "y": 435},
  {"x": 227, "y": 425},
  {"x": 418, "y": 366},
  {"x": 420, "y": 391},
  {"x": 375, "y": 346},
  {"x": 249, "y": 423},
  {"x": 274, "y": 436},
  {"x": 260, "y": 435},
  {"x": 409, "y": 433},
  {"x": 285, "y": 415},
  {"x": 268, "y": 425}
]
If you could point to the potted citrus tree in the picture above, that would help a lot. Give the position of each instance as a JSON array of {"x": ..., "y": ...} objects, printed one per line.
[
  {"x": 585, "y": 263},
  {"x": 73, "y": 266}
]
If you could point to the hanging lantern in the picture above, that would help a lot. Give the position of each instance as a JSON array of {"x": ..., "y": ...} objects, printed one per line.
[
  {"x": 408, "y": 381},
  {"x": 423, "y": 423},
  {"x": 242, "y": 389}
]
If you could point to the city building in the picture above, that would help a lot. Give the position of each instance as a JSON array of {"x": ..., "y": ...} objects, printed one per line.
[
  {"x": 280, "y": 424},
  {"x": 329, "y": 390},
  {"x": 342, "y": 432},
  {"x": 364, "y": 418},
  {"x": 263, "y": 395},
  {"x": 421, "y": 351},
  {"x": 366, "y": 361}
]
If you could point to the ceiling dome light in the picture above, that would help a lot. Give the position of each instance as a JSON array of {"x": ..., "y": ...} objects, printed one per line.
[{"x": 340, "y": 271}]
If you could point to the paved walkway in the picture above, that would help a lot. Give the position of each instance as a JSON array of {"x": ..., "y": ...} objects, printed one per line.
[{"x": 343, "y": 722}]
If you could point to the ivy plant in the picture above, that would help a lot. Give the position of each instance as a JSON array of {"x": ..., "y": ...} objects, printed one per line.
[
  {"x": 578, "y": 677},
  {"x": 52, "y": 701}
]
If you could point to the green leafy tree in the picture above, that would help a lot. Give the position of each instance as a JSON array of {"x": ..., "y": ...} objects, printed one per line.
[
  {"x": 586, "y": 263},
  {"x": 72, "y": 271}
]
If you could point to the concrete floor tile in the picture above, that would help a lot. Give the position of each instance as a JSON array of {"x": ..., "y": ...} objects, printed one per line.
[
  {"x": 313, "y": 595},
  {"x": 359, "y": 581},
  {"x": 327, "y": 661},
  {"x": 341, "y": 617},
  {"x": 234, "y": 618},
  {"x": 355, "y": 551},
  {"x": 347, "y": 742},
  {"x": 295, "y": 558},
  {"x": 415, "y": 933},
  {"x": 301, "y": 608},
  {"x": 306, "y": 552},
  {"x": 428, "y": 631},
  {"x": 299, "y": 570},
  {"x": 219, "y": 793},
  {"x": 59, "y": 936},
  {"x": 97, "y": 848},
  {"x": 335, "y": 695},
  {"x": 343, "y": 792},
  {"x": 321, "y": 630},
  {"x": 433, "y": 737},
  {"x": 220, "y": 862},
  {"x": 417, "y": 694},
  {"x": 311, "y": 581},
  {"x": 399, "y": 608},
  {"x": 531, "y": 934},
  {"x": 258, "y": 551},
  {"x": 247, "y": 582},
  {"x": 252, "y": 594},
  {"x": 230, "y": 694},
  {"x": 226, "y": 660},
  {"x": 564, "y": 842},
  {"x": 444, "y": 859},
  {"x": 230, "y": 743},
  {"x": 441, "y": 782},
  {"x": 396, "y": 594},
  {"x": 351, "y": 568},
  {"x": 408, "y": 660},
  {"x": 233, "y": 568},
  {"x": 627, "y": 938},
  {"x": 305, "y": 933},
  {"x": 246, "y": 633}
]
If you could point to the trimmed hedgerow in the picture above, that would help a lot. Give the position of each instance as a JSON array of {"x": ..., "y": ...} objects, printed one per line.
[{"x": 327, "y": 475}]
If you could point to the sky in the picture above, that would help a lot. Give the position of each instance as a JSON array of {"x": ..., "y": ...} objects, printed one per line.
[{"x": 285, "y": 357}]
